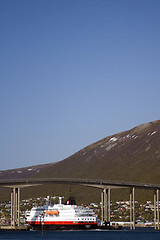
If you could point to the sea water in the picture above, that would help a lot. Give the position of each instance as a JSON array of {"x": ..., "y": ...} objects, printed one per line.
[{"x": 83, "y": 235}]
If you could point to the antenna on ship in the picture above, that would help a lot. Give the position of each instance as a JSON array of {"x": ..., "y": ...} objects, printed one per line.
[
  {"x": 60, "y": 200},
  {"x": 47, "y": 200}
]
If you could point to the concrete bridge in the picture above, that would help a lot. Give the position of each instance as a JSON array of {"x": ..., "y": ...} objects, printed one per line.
[{"x": 106, "y": 186}]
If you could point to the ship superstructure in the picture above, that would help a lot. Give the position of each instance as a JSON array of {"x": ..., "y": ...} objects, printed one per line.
[{"x": 62, "y": 216}]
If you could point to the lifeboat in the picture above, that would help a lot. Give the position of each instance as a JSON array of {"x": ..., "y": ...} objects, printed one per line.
[{"x": 56, "y": 212}]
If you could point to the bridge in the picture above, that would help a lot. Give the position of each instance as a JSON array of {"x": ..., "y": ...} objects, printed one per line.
[{"x": 106, "y": 186}]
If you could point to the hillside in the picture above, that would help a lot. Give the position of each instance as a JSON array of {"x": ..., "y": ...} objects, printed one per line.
[
  {"x": 133, "y": 155},
  {"x": 25, "y": 172}
]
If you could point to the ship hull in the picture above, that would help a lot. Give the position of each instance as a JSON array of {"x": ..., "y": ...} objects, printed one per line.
[
  {"x": 53, "y": 227},
  {"x": 63, "y": 226}
]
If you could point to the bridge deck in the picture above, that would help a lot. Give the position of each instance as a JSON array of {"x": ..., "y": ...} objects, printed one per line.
[{"x": 88, "y": 182}]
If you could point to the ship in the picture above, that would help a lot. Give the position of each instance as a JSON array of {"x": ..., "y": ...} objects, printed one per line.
[{"x": 61, "y": 216}]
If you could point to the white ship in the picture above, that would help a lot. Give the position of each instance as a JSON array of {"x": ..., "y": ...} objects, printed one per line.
[{"x": 61, "y": 216}]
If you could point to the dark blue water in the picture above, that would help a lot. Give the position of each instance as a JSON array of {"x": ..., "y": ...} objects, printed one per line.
[{"x": 83, "y": 235}]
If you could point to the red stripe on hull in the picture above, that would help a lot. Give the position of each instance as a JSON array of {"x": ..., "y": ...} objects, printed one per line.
[{"x": 61, "y": 223}]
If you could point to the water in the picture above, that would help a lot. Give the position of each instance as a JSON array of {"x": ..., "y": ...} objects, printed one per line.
[{"x": 83, "y": 235}]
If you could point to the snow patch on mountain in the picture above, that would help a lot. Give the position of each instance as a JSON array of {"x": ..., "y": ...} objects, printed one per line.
[
  {"x": 113, "y": 139},
  {"x": 153, "y": 133}
]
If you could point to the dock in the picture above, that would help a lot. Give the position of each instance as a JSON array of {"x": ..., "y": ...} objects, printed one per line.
[{"x": 15, "y": 228}]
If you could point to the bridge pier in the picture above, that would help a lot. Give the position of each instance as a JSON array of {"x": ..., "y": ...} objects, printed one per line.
[
  {"x": 105, "y": 207},
  {"x": 156, "y": 209},
  {"x": 132, "y": 208},
  {"x": 102, "y": 206},
  {"x": 15, "y": 207}
]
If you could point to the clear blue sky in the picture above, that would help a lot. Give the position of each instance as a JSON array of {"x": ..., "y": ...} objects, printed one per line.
[{"x": 73, "y": 72}]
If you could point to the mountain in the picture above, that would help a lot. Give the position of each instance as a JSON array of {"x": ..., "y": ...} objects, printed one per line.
[{"x": 132, "y": 155}]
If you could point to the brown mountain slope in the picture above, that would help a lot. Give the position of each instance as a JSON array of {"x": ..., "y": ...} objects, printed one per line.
[{"x": 132, "y": 155}]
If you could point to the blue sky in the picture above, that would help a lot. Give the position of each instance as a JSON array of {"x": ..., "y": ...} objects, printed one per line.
[{"x": 73, "y": 72}]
